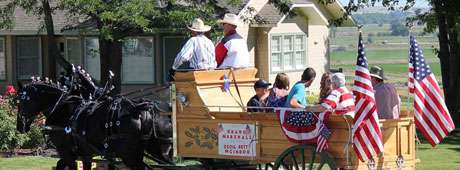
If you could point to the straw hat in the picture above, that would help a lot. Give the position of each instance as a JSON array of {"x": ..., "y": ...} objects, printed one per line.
[
  {"x": 197, "y": 25},
  {"x": 377, "y": 72},
  {"x": 230, "y": 19}
]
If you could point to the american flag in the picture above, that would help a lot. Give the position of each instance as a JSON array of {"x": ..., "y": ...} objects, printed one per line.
[
  {"x": 431, "y": 115},
  {"x": 304, "y": 127},
  {"x": 367, "y": 137},
  {"x": 324, "y": 134}
]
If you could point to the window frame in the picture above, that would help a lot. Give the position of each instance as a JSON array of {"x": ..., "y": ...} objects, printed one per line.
[
  {"x": 294, "y": 51},
  {"x": 82, "y": 48},
  {"x": 40, "y": 59},
  {"x": 153, "y": 81},
  {"x": 3, "y": 45}
]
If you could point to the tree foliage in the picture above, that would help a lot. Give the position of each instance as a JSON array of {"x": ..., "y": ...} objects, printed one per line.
[
  {"x": 10, "y": 138},
  {"x": 443, "y": 17},
  {"x": 398, "y": 29}
]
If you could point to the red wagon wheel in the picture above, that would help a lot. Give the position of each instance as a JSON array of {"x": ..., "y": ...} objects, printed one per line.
[{"x": 304, "y": 157}]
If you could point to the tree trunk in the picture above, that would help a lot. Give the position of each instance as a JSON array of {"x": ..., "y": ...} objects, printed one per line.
[
  {"x": 111, "y": 59},
  {"x": 448, "y": 60},
  {"x": 53, "y": 50},
  {"x": 454, "y": 103}
]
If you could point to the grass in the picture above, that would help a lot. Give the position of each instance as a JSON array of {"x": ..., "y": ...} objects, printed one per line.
[
  {"x": 378, "y": 56},
  {"x": 396, "y": 73},
  {"x": 444, "y": 156},
  {"x": 27, "y": 163}
]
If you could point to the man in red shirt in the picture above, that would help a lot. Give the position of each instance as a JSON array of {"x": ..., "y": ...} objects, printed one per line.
[{"x": 232, "y": 50}]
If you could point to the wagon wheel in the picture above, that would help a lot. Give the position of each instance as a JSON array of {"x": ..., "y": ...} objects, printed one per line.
[{"x": 301, "y": 157}]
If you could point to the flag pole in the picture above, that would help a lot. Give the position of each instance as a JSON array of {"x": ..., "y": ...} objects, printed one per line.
[
  {"x": 409, "y": 95},
  {"x": 410, "y": 110}
]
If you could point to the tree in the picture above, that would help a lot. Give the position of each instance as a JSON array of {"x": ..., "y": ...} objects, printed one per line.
[
  {"x": 117, "y": 19},
  {"x": 398, "y": 29},
  {"x": 444, "y": 17}
]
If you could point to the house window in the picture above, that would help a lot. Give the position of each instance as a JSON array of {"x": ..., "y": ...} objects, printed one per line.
[
  {"x": 288, "y": 52},
  {"x": 92, "y": 61},
  {"x": 138, "y": 64},
  {"x": 2, "y": 59},
  {"x": 73, "y": 50},
  {"x": 28, "y": 57}
]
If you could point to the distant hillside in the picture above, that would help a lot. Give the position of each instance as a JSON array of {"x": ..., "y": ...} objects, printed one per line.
[{"x": 379, "y": 18}]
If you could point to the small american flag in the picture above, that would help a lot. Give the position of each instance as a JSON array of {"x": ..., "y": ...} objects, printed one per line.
[
  {"x": 431, "y": 115},
  {"x": 226, "y": 84},
  {"x": 367, "y": 137},
  {"x": 324, "y": 134}
]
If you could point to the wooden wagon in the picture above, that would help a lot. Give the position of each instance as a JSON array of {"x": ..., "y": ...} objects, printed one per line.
[{"x": 211, "y": 123}]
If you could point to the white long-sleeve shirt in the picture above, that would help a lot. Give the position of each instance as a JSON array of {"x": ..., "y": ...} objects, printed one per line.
[{"x": 199, "y": 50}]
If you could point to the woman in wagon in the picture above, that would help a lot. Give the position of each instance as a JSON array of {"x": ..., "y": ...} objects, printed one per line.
[
  {"x": 278, "y": 93},
  {"x": 232, "y": 50},
  {"x": 340, "y": 100},
  {"x": 325, "y": 87},
  {"x": 198, "y": 50}
]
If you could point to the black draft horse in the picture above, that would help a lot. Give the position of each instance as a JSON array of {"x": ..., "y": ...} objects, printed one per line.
[{"x": 112, "y": 128}]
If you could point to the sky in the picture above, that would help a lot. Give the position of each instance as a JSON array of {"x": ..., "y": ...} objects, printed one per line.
[{"x": 418, "y": 3}]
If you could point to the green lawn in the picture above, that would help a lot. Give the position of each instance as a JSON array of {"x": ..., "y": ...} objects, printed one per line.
[
  {"x": 444, "y": 156},
  {"x": 27, "y": 163},
  {"x": 396, "y": 73}
]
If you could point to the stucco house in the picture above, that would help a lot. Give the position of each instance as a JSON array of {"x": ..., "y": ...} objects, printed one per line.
[{"x": 280, "y": 44}]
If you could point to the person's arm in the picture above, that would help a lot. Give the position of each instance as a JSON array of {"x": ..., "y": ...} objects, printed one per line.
[
  {"x": 185, "y": 54},
  {"x": 294, "y": 104},
  {"x": 315, "y": 108},
  {"x": 294, "y": 100}
]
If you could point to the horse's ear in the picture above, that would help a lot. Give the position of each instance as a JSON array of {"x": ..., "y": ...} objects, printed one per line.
[{"x": 20, "y": 86}]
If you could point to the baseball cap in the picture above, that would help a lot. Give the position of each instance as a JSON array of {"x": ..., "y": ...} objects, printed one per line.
[{"x": 261, "y": 84}]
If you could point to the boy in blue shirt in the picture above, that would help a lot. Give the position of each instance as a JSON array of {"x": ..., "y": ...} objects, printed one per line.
[{"x": 296, "y": 97}]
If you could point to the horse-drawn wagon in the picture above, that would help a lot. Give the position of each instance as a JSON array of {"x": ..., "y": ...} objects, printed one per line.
[{"x": 210, "y": 123}]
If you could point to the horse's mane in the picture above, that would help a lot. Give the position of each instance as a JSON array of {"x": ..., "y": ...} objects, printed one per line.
[
  {"x": 46, "y": 82},
  {"x": 85, "y": 77}
]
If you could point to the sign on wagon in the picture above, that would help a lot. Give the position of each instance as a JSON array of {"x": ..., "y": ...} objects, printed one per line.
[{"x": 237, "y": 139}]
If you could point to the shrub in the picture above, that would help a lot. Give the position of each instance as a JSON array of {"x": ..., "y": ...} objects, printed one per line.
[{"x": 10, "y": 138}]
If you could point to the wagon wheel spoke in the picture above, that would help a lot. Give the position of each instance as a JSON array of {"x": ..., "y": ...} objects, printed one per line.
[
  {"x": 290, "y": 158},
  {"x": 302, "y": 153},
  {"x": 312, "y": 161},
  {"x": 295, "y": 161}
]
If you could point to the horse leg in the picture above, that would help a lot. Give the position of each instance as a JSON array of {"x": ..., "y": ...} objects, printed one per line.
[
  {"x": 60, "y": 165},
  {"x": 87, "y": 164}
]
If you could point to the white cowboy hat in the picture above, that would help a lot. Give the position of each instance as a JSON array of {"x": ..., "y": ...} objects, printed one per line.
[
  {"x": 230, "y": 19},
  {"x": 198, "y": 26}
]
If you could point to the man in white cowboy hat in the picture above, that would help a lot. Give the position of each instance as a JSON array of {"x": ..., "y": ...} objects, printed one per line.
[
  {"x": 199, "y": 50},
  {"x": 386, "y": 95},
  {"x": 231, "y": 51}
]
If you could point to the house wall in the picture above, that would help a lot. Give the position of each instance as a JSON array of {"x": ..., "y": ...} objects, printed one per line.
[
  {"x": 317, "y": 53},
  {"x": 10, "y": 59},
  {"x": 258, "y": 39}
]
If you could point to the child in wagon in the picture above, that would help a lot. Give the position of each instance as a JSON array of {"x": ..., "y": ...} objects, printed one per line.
[
  {"x": 260, "y": 99},
  {"x": 279, "y": 91}
]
